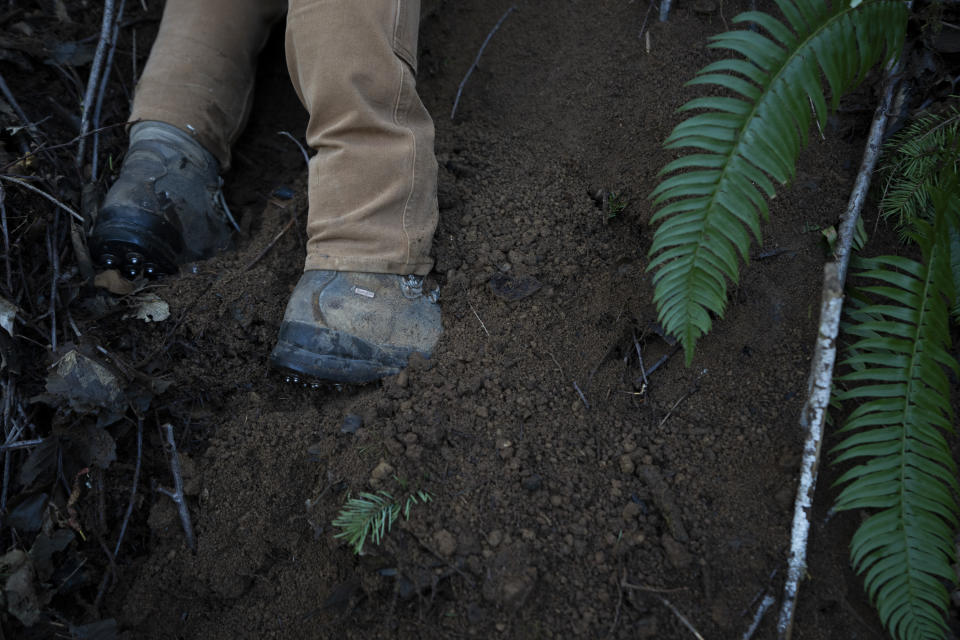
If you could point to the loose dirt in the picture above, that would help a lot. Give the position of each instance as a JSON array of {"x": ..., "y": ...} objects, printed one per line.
[{"x": 556, "y": 474}]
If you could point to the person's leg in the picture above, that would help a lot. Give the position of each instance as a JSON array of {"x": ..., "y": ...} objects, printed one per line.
[
  {"x": 189, "y": 106},
  {"x": 359, "y": 311},
  {"x": 373, "y": 179},
  {"x": 200, "y": 73}
]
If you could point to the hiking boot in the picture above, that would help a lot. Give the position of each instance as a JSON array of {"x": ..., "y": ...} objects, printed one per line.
[
  {"x": 349, "y": 327},
  {"x": 166, "y": 208}
]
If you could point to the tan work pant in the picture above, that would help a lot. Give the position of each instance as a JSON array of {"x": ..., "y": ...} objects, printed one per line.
[{"x": 372, "y": 180}]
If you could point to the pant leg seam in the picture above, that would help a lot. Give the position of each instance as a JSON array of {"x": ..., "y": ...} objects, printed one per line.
[{"x": 413, "y": 167}]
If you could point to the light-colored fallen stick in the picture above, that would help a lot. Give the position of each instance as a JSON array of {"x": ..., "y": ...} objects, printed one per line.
[
  {"x": 476, "y": 60},
  {"x": 664, "y": 10},
  {"x": 814, "y": 411}
]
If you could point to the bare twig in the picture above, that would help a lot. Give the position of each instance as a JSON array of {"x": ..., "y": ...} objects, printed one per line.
[
  {"x": 306, "y": 156},
  {"x": 644, "y": 588},
  {"x": 814, "y": 411},
  {"x": 580, "y": 393},
  {"x": 643, "y": 372},
  {"x": 482, "y": 326},
  {"x": 177, "y": 494},
  {"x": 102, "y": 90},
  {"x": 476, "y": 60},
  {"x": 6, "y": 240},
  {"x": 664, "y": 10},
  {"x": 270, "y": 244},
  {"x": 675, "y": 405},
  {"x": 133, "y": 489},
  {"x": 94, "y": 80},
  {"x": 682, "y": 618},
  {"x": 30, "y": 187},
  {"x": 768, "y": 601},
  {"x": 643, "y": 26}
]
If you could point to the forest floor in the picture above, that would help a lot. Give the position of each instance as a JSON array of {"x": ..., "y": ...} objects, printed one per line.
[{"x": 568, "y": 499}]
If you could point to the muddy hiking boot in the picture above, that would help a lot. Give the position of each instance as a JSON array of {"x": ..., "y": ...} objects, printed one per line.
[
  {"x": 348, "y": 327},
  {"x": 165, "y": 209}
]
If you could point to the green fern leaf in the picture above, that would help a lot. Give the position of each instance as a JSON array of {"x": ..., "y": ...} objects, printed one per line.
[
  {"x": 905, "y": 469},
  {"x": 714, "y": 199}
]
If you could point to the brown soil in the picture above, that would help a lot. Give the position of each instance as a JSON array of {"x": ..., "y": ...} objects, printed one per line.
[{"x": 553, "y": 476}]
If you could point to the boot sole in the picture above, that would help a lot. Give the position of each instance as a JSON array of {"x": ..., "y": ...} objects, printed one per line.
[
  {"x": 135, "y": 242},
  {"x": 309, "y": 368}
]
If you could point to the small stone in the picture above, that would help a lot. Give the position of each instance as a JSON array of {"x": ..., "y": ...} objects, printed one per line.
[
  {"x": 410, "y": 438},
  {"x": 402, "y": 379},
  {"x": 445, "y": 543},
  {"x": 532, "y": 483},
  {"x": 381, "y": 472},
  {"x": 482, "y": 412},
  {"x": 494, "y": 537},
  {"x": 394, "y": 446},
  {"x": 626, "y": 464},
  {"x": 678, "y": 556},
  {"x": 351, "y": 423}
]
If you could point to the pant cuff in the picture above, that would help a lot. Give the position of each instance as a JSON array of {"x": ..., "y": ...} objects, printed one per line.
[{"x": 367, "y": 265}]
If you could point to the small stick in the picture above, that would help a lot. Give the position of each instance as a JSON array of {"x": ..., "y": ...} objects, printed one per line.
[
  {"x": 643, "y": 372},
  {"x": 664, "y": 10},
  {"x": 580, "y": 393},
  {"x": 104, "y": 81},
  {"x": 94, "y": 80},
  {"x": 30, "y": 187},
  {"x": 133, "y": 489},
  {"x": 819, "y": 384},
  {"x": 476, "y": 60},
  {"x": 640, "y": 587},
  {"x": 645, "y": 18},
  {"x": 177, "y": 494},
  {"x": 6, "y": 240},
  {"x": 682, "y": 618},
  {"x": 768, "y": 601},
  {"x": 270, "y": 244},
  {"x": 306, "y": 157},
  {"x": 482, "y": 326},
  {"x": 675, "y": 405}
]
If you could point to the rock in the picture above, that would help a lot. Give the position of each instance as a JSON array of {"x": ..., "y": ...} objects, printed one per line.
[
  {"x": 381, "y": 472},
  {"x": 445, "y": 543},
  {"x": 494, "y": 538},
  {"x": 402, "y": 379},
  {"x": 351, "y": 423},
  {"x": 626, "y": 464},
  {"x": 677, "y": 555},
  {"x": 532, "y": 482},
  {"x": 630, "y": 511}
]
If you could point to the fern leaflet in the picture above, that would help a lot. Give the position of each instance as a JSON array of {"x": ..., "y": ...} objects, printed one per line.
[
  {"x": 713, "y": 202},
  {"x": 905, "y": 468}
]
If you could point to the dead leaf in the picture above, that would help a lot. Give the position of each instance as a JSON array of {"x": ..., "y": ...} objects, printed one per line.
[
  {"x": 112, "y": 281},
  {"x": 100, "y": 447},
  {"x": 8, "y": 313},
  {"x": 86, "y": 386},
  {"x": 20, "y": 590},
  {"x": 150, "y": 308},
  {"x": 41, "y": 553},
  {"x": 41, "y": 463}
]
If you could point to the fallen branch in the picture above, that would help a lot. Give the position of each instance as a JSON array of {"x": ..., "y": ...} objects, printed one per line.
[
  {"x": 30, "y": 187},
  {"x": 177, "y": 494},
  {"x": 102, "y": 90},
  {"x": 664, "y": 10},
  {"x": 476, "y": 60},
  {"x": 94, "y": 80},
  {"x": 306, "y": 156},
  {"x": 814, "y": 411},
  {"x": 768, "y": 601},
  {"x": 133, "y": 489}
]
